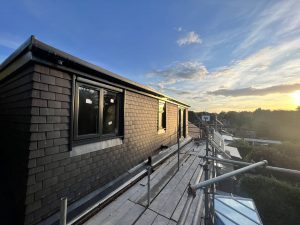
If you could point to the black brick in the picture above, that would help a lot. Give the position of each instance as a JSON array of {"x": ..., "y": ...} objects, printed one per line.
[
  {"x": 34, "y": 188},
  {"x": 65, "y": 105},
  {"x": 35, "y": 111},
  {"x": 52, "y": 150},
  {"x": 47, "y": 95},
  {"x": 35, "y": 94},
  {"x": 63, "y": 83},
  {"x": 38, "y": 136},
  {"x": 43, "y": 175},
  {"x": 54, "y": 104},
  {"x": 36, "y": 77},
  {"x": 60, "y": 141},
  {"x": 45, "y": 143},
  {"x": 41, "y": 69},
  {"x": 46, "y": 111},
  {"x": 62, "y": 112},
  {"x": 40, "y": 86},
  {"x": 55, "y": 89},
  {"x": 33, "y": 207},
  {"x": 31, "y": 180},
  {"x": 38, "y": 119},
  {"x": 29, "y": 199},
  {"x": 53, "y": 134},
  {"x": 31, "y": 163},
  {"x": 51, "y": 165},
  {"x": 56, "y": 73},
  {"x": 47, "y": 79},
  {"x": 64, "y": 148},
  {"x": 45, "y": 127},
  {"x": 61, "y": 126},
  {"x": 66, "y": 91},
  {"x": 39, "y": 102},
  {"x": 36, "y": 170},
  {"x": 50, "y": 181},
  {"x": 62, "y": 97},
  {"x": 34, "y": 128},
  {"x": 64, "y": 133},
  {"x": 36, "y": 153},
  {"x": 53, "y": 119},
  {"x": 64, "y": 119},
  {"x": 60, "y": 156},
  {"x": 33, "y": 145},
  {"x": 59, "y": 170},
  {"x": 43, "y": 160}
]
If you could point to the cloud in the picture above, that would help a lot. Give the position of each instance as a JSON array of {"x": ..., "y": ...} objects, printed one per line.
[
  {"x": 271, "y": 71},
  {"x": 190, "y": 38},
  {"x": 179, "y": 29},
  {"x": 285, "y": 88},
  {"x": 274, "y": 23},
  {"x": 9, "y": 41},
  {"x": 180, "y": 71},
  {"x": 253, "y": 65}
]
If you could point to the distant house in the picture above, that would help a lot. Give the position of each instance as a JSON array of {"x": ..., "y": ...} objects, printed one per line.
[{"x": 69, "y": 127}]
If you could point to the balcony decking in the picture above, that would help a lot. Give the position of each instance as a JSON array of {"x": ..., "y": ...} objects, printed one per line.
[{"x": 168, "y": 194}]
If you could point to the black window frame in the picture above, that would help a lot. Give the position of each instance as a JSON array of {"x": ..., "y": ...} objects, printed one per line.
[
  {"x": 117, "y": 114},
  {"x": 98, "y": 136},
  {"x": 165, "y": 118}
]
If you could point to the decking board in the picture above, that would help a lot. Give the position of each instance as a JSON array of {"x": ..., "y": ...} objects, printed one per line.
[{"x": 169, "y": 194}]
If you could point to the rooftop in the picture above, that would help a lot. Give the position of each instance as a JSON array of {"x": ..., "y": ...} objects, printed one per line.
[
  {"x": 168, "y": 194},
  {"x": 39, "y": 52}
]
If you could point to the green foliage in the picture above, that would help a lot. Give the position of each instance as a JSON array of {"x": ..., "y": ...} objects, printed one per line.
[
  {"x": 277, "y": 202},
  {"x": 286, "y": 155},
  {"x": 281, "y": 125},
  {"x": 243, "y": 147}
]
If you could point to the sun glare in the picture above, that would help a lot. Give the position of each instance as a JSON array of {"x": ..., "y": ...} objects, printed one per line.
[{"x": 296, "y": 97}]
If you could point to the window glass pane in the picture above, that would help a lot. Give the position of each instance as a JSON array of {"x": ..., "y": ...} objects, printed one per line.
[
  {"x": 162, "y": 115},
  {"x": 88, "y": 112},
  {"x": 110, "y": 105},
  {"x": 232, "y": 214},
  {"x": 241, "y": 208}
]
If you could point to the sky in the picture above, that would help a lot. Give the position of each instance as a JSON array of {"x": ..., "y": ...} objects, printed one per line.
[{"x": 214, "y": 55}]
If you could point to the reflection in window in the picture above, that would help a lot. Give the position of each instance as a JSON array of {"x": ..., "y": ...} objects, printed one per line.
[
  {"x": 162, "y": 115},
  {"x": 110, "y": 106},
  {"x": 88, "y": 112}
]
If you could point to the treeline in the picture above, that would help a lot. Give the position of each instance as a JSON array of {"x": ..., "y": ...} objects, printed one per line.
[
  {"x": 277, "y": 202},
  {"x": 286, "y": 155},
  {"x": 267, "y": 124},
  {"x": 276, "y": 194}
]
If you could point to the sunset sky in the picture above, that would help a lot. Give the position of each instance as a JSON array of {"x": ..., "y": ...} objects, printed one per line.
[{"x": 214, "y": 55}]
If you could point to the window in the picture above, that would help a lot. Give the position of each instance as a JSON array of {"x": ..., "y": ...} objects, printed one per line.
[
  {"x": 96, "y": 111},
  {"x": 110, "y": 111},
  {"x": 162, "y": 115},
  {"x": 88, "y": 112}
]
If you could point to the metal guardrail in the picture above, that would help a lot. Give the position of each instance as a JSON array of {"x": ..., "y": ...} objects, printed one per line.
[
  {"x": 241, "y": 163},
  {"x": 206, "y": 183},
  {"x": 148, "y": 170},
  {"x": 217, "y": 144},
  {"x": 63, "y": 210}
]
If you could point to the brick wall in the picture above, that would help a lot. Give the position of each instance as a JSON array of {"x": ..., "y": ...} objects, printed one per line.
[
  {"x": 15, "y": 110},
  {"x": 52, "y": 172}
]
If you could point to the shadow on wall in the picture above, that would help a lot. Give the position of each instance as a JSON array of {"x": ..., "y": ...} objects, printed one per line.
[{"x": 13, "y": 170}]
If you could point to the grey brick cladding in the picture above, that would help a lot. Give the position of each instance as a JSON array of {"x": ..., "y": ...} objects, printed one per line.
[
  {"x": 15, "y": 111},
  {"x": 52, "y": 173}
]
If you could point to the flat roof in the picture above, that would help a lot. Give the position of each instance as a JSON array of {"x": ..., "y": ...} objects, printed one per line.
[
  {"x": 233, "y": 151},
  {"x": 35, "y": 50},
  {"x": 236, "y": 210},
  {"x": 264, "y": 141}
]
